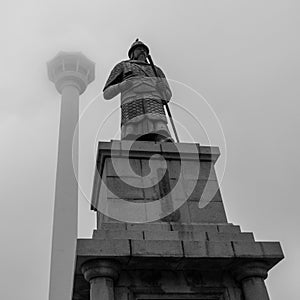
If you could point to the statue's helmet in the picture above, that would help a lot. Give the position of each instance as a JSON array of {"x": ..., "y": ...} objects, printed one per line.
[{"x": 136, "y": 44}]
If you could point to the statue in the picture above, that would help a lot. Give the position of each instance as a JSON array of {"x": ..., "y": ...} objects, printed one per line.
[{"x": 142, "y": 96}]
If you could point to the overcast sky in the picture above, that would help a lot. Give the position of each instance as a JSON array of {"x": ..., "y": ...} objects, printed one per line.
[{"x": 241, "y": 56}]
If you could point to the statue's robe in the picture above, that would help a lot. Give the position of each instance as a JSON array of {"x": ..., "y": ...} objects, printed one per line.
[{"x": 141, "y": 105}]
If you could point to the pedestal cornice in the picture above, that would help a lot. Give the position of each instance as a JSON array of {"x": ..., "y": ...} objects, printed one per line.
[{"x": 251, "y": 269}]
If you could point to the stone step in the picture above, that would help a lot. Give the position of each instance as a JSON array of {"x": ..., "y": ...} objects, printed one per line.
[
  {"x": 158, "y": 226},
  {"x": 190, "y": 249},
  {"x": 118, "y": 234},
  {"x": 164, "y": 226}
]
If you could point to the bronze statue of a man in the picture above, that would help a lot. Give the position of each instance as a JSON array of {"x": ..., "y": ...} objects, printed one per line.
[{"x": 142, "y": 96}]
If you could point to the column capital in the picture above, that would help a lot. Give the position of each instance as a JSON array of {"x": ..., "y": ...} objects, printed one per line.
[
  {"x": 71, "y": 69},
  {"x": 100, "y": 268},
  {"x": 250, "y": 269}
]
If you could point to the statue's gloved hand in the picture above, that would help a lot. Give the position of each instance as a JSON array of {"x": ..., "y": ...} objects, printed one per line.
[
  {"x": 164, "y": 102},
  {"x": 125, "y": 85}
]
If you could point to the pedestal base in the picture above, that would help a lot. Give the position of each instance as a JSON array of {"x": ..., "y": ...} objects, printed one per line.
[{"x": 198, "y": 256}]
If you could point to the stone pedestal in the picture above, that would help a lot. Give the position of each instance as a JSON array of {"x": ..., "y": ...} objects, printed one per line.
[
  {"x": 195, "y": 255},
  {"x": 143, "y": 181}
]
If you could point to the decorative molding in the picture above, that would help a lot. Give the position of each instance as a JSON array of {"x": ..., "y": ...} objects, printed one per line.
[
  {"x": 206, "y": 293},
  {"x": 100, "y": 268},
  {"x": 250, "y": 269}
]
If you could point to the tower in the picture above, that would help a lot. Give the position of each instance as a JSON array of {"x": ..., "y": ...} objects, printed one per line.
[
  {"x": 168, "y": 240},
  {"x": 71, "y": 73}
]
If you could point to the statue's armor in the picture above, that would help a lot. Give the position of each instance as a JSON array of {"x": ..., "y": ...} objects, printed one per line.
[{"x": 141, "y": 104}]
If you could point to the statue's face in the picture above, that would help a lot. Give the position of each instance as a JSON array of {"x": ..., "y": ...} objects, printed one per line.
[{"x": 139, "y": 53}]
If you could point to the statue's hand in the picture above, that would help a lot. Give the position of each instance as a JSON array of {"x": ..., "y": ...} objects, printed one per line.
[{"x": 125, "y": 85}]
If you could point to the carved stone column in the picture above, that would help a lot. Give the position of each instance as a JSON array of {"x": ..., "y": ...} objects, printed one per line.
[
  {"x": 101, "y": 275},
  {"x": 251, "y": 276}
]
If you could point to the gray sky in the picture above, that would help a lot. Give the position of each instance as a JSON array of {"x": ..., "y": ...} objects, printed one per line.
[{"x": 242, "y": 56}]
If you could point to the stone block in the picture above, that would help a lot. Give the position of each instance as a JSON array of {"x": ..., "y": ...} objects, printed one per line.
[
  {"x": 141, "y": 146},
  {"x": 192, "y": 236},
  {"x": 210, "y": 194},
  {"x": 100, "y": 219},
  {"x": 204, "y": 191},
  {"x": 213, "y": 212},
  {"x": 152, "y": 192},
  {"x": 247, "y": 249},
  {"x": 118, "y": 234},
  {"x": 219, "y": 249},
  {"x": 229, "y": 228},
  {"x": 112, "y": 226},
  {"x": 168, "y": 148},
  {"x": 184, "y": 213},
  {"x": 99, "y": 191},
  {"x": 207, "y": 171},
  {"x": 195, "y": 249},
  {"x": 228, "y": 236},
  {"x": 161, "y": 235},
  {"x": 271, "y": 249},
  {"x": 100, "y": 234},
  {"x": 154, "y": 211},
  {"x": 174, "y": 168},
  {"x": 105, "y": 219},
  {"x": 109, "y": 146},
  {"x": 209, "y": 153},
  {"x": 206, "y": 149},
  {"x": 149, "y": 226},
  {"x": 207, "y": 249},
  {"x": 180, "y": 151},
  {"x": 188, "y": 148},
  {"x": 118, "y": 188},
  {"x": 119, "y": 167},
  {"x": 96, "y": 247},
  {"x": 178, "y": 190},
  {"x": 192, "y": 169},
  {"x": 194, "y": 227},
  {"x": 156, "y": 248},
  {"x": 126, "y": 211},
  {"x": 155, "y": 163}
]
